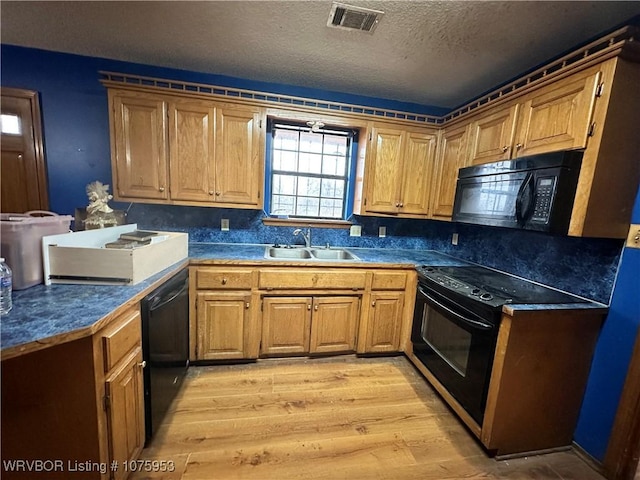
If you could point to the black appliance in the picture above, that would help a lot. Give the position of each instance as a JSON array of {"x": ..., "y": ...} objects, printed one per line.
[
  {"x": 531, "y": 193},
  {"x": 165, "y": 347},
  {"x": 456, "y": 321}
]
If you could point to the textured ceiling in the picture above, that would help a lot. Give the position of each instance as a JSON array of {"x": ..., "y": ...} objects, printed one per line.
[{"x": 439, "y": 53}]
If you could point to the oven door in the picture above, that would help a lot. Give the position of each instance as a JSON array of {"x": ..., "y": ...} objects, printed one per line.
[{"x": 457, "y": 346}]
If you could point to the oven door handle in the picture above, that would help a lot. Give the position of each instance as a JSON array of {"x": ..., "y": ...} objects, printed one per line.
[{"x": 462, "y": 318}]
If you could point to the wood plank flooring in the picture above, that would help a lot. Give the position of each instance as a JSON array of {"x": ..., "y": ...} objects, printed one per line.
[{"x": 328, "y": 418}]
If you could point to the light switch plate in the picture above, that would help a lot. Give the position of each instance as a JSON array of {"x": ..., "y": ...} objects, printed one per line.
[
  {"x": 355, "y": 230},
  {"x": 382, "y": 232},
  {"x": 633, "y": 239},
  {"x": 224, "y": 224}
]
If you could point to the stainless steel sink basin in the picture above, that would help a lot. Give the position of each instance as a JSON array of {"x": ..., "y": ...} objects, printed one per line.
[
  {"x": 287, "y": 253},
  {"x": 333, "y": 254},
  {"x": 320, "y": 254}
]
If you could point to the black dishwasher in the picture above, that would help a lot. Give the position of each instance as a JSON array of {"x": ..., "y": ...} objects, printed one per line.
[{"x": 165, "y": 347}]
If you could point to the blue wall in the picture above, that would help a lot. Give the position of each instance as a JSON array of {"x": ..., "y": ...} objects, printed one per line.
[
  {"x": 612, "y": 356},
  {"x": 74, "y": 107}
]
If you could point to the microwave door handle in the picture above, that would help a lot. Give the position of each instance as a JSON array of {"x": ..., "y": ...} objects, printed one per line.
[
  {"x": 462, "y": 318},
  {"x": 525, "y": 188}
]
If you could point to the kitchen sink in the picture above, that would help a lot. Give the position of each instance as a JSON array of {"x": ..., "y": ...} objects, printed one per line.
[
  {"x": 333, "y": 254},
  {"x": 299, "y": 253},
  {"x": 287, "y": 253}
]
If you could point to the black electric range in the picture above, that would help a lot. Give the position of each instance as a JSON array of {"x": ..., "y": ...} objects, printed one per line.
[{"x": 485, "y": 286}]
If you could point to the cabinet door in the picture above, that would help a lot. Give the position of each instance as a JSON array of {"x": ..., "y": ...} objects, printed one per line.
[
  {"x": 334, "y": 324},
  {"x": 191, "y": 144},
  {"x": 384, "y": 171},
  {"x": 417, "y": 171},
  {"x": 139, "y": 146},
  {"x": 558, "y": 117},
  {"x": 221, "y": 324},
  {"x": 491, "y": 137},
  {"x": 125, "y": 412},
  {"x": 384, "y": 322},
  {"x": 451, "y": 157},
  {"x": 286, "y": 324},
  {"x": 239, "y": 155}
]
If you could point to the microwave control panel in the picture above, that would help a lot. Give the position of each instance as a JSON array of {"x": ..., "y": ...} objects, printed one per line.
[{"x": 545, "y": 191}]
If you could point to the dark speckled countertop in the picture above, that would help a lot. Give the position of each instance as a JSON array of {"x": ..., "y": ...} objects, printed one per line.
[
  {"x": 242, "y": 252},
  {"x": 47, "y": 315}
]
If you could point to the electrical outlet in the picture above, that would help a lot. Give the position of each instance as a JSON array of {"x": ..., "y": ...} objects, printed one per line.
[
  {"x": 382, "y": 232},
  {"x": 224, "y": 225},
  {"x": 454, "y": 239},
  {"x": 355, "y": 230},
  {"x": 633, "y": 239}
]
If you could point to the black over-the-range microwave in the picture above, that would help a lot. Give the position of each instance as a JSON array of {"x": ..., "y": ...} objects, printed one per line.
[{"x": 531, "y": 193}]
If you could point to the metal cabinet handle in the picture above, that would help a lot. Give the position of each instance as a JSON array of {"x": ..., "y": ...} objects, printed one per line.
[
  {"x": 308, "y": 306},
  {"x": 315, "y": 307},
  {"x": 217, "y": 194},
  {"x": 210, "y": 192},
  {"x": 161, "y": 189},
  {"x": 505, "y": 148},
  {"x": 142, "y": 364},
  {"x": 373, "y": 304},
  {"x": 224, "y": 281},
  {"x": 519, "y": 146},
  {"x": 246, "y": 305}
]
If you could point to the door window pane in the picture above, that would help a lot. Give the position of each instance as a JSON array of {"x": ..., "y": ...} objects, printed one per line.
[{"x": 10, "y": 124}]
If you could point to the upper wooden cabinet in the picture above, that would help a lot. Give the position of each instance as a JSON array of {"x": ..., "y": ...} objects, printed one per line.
[
  {"x": 191, "y": 147},
  {"x": 240, "y": 155},
  {"x": 595, "y": 110},
  {"x": 491, "y": 136},
  {"x": 189, "y": 151},
  {"x": 139, "y": 146},
  {"x": 557, "y": 117},
  {"x": 398, "y": 171},
  {"x": 452, "y": 155}
]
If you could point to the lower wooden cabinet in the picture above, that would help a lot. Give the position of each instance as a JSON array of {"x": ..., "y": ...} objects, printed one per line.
[
  {"x": 246, "y": 312},
  {"x": 384, "y": 322},
  {"x": 124, "y": 390},
  {"x": 334, "y": 324},
  {"x": 222, "y": 325},
  {"x": 83, "y": 403},
  {"x": 286, "y": 325},
  {"x": 301, "y": 325}
]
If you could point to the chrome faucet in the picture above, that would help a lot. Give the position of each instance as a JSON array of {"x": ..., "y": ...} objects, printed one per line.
[{"x": 306, "y": 235}]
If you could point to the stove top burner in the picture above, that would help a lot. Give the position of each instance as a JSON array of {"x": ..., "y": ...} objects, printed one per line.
[{"x": 491, "y": 287}]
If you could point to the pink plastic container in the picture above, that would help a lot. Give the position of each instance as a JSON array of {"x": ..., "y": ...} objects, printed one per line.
[{"x": 21, "y": 243}]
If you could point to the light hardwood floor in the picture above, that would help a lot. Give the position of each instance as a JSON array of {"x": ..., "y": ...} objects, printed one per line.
[{"x": 328, "y": 418}]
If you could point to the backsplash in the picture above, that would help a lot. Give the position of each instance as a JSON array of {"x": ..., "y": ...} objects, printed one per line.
[{"x": 583, "y": 266}]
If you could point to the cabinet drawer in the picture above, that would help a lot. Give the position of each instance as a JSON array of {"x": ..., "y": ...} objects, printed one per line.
[
  {"x": 305, "y": 279},
  {"x": 120, "y": 338},
  {"x": 389, "y": 281},
  {"x": 223, "y": 279}
]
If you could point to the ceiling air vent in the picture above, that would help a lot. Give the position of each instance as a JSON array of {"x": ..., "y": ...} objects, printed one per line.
[{"x": 353, "y": 18}]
